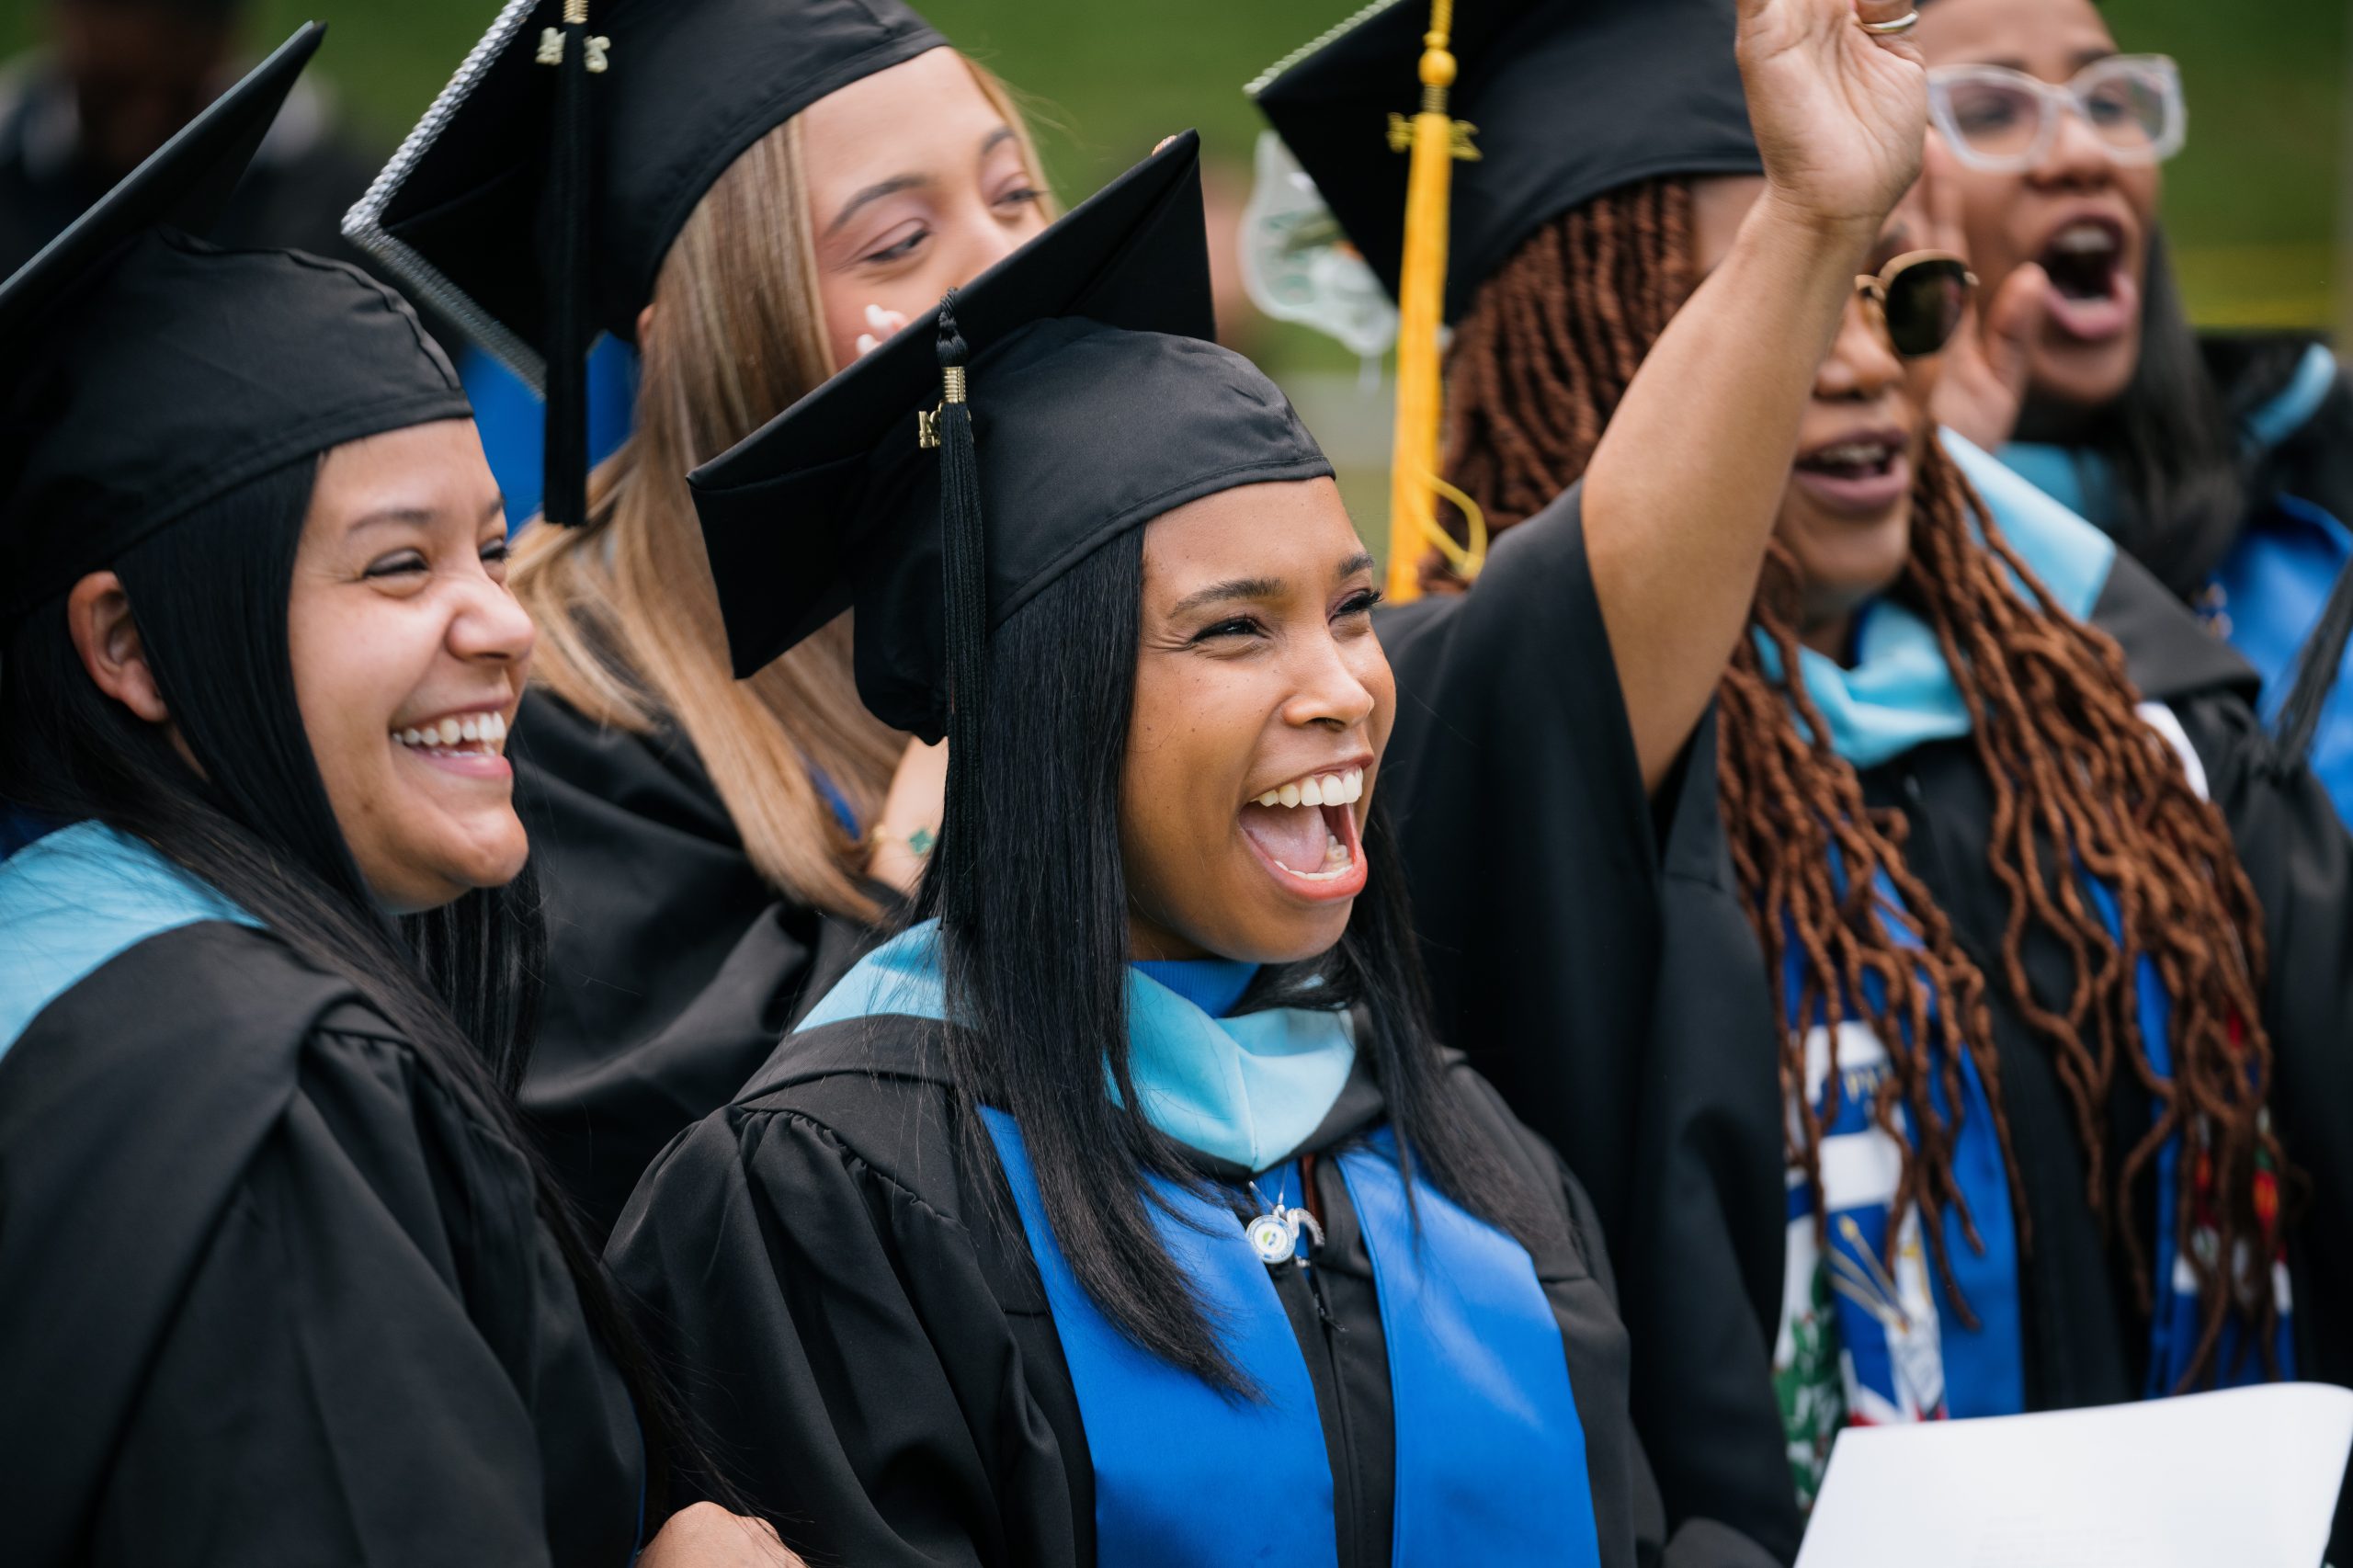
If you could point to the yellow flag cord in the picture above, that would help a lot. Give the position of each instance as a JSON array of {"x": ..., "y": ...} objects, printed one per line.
[{"x": 1421, "y": 295}]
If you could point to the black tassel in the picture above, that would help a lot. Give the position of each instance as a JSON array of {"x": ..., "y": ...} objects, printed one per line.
[
  {"x": 564, "y": 498},
  {"x": 2316, "y": 666},
  {"x": 964, "y": 573}
]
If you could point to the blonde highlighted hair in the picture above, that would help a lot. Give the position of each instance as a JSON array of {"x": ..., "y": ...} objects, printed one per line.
[{"x": 629, "y": 631}]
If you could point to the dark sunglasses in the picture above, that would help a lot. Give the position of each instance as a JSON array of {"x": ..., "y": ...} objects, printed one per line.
[{"x": 1918, "y": 299}]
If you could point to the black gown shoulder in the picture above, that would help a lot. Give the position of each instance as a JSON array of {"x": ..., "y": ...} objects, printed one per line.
[
  {"x": 274, "y": 1295},
  {"x": 881, "y": 1364},
  {"x": 674, "y": 966},
  {"x": 1532, "y": 848}
]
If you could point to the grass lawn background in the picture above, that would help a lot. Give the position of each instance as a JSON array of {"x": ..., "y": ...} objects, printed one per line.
[{"x": 2253, "y": 203}]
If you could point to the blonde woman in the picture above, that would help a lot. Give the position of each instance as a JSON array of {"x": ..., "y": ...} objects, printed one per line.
[{"x": 753, "y": 192}]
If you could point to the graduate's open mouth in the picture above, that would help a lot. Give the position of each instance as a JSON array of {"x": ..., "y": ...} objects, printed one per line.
[
  {"x": 2093, "y": 297},
  {"x": 1861, "y": 474},
  {"x": 1305, "y": 831},
  {"x": 471, "y": 741}
]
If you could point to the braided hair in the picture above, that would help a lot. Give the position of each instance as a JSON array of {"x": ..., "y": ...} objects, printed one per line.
[{"x": 1540, "y": 363}]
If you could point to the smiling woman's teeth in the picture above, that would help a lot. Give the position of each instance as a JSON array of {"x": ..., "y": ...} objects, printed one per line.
[
  {"x": 483, "y": 733},
  {"x": 1330, "y": 789}
]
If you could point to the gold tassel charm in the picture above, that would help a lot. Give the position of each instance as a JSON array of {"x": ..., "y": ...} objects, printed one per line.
[
  {"x": 596, "y": 51},
  {"x": 1434, "y": 141}
]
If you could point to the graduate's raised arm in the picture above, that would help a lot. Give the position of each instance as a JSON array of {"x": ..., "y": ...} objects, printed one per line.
[{"x": 1683, "y": 490}]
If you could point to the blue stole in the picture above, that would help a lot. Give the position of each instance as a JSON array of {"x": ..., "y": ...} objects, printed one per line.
[
  {"x": 1490, "y": 1452},
  {"x": 72, "y": 899}
]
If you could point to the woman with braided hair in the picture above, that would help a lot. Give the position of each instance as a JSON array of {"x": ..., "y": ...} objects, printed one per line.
[{"x": 2000, "y": 960}]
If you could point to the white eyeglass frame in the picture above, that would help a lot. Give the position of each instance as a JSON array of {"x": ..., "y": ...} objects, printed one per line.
[{"x": 2057, "y": 103}]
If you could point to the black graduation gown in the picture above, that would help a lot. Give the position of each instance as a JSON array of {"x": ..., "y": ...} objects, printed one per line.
[
  {"x": 272, "y": 1297},
  {"x": 673, "y": 965},
  {"x": 1529, "y": 841},
  {"x": 880, "y": 1366},
  {"x": 1680, "y": 1117}
]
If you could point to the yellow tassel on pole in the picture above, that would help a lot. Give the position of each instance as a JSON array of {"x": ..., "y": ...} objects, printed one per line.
[{"x": 1436, "y": 141}]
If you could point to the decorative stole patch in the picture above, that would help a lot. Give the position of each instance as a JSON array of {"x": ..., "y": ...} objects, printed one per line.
[{"x": 1490, "y": 1454}]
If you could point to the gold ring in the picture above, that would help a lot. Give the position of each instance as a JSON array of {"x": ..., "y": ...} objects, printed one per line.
[{"x": 1901, "y": 25}]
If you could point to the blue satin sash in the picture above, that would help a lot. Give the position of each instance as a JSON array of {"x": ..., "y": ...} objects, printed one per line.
[
  {"x": 1490, "y": 1452},
  {"x": 1186, "y": 1475},
  {"x": 1490, "y": 1455}
]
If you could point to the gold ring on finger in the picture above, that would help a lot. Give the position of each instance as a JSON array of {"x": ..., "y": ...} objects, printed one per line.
[{"x": 1901, "y": 25}]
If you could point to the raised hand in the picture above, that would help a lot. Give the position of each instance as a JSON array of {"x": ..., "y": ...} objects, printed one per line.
[
  {"x": 1983, "y": 383},
  {"x": 1839, "y": 114}
]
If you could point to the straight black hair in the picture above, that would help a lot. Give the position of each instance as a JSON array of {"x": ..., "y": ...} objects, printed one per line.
[
  {"x": 2171, "y": 444},
  {"x": 1034, "y": 957},
  {"x": 209, "y": 597}
]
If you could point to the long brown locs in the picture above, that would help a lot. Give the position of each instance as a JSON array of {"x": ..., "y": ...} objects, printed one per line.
[{"x": 1540, "y": 361}]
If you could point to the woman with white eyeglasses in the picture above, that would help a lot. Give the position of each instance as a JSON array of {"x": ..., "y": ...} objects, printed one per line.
[{"x": 2221, "y": 463}]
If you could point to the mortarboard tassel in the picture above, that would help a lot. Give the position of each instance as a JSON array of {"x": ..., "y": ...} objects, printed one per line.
[
  {"x": 2316, "y": 671},
  {"x": 964, "y": 568},
  {"x": 576, "y": 57},
  {"x": 1436, "y": 141}
]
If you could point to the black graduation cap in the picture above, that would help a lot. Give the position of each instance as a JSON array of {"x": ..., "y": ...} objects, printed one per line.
[
  {"x": 535, "y": 201},
  {"x": 1566, "y": 100},
  {"x": 1094, "y": 402},
  {"x": 148, "y": 373}
]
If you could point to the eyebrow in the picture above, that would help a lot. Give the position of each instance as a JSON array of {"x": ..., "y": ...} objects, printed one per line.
[
  {"x": 874, "y": 193},
  {"x": 1259, "y": 589},
  {"x": 898, "y": 183},
  {"x": 422, "y": 517}
]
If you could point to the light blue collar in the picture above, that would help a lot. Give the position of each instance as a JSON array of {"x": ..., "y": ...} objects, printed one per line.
[
  {"x": 2292, "y": 408},
  {"x": 2082, "y": 481},
  {"x": 1899, "y": 693},
  {"x": 1247, "y": 1090},
  {"x": 75, "y": 899}
]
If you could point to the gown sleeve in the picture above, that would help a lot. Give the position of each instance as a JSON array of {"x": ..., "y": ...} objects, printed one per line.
[
  {"x": 1529, "y": 841},
  {"x": 2300, "y": 861},
  {"x": 852, "y": 1368},
  {"x": 377, "y": 1357},
  {"x": 673, "y": 965}
]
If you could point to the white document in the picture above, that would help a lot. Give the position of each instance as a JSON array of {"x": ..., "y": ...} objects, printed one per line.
[{"x": 2246, "y": 1478}]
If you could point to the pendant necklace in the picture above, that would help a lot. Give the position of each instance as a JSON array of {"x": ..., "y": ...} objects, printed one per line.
[{"x": 1274, "y": 1234}]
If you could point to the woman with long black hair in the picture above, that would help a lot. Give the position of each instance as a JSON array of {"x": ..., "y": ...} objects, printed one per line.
[
  {"x": 1124, "y": 1210},
  {"x": 285, "y": 1282}
]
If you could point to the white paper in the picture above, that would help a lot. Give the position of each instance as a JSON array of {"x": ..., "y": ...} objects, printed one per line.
[{"x": 2246, "y": 1478}]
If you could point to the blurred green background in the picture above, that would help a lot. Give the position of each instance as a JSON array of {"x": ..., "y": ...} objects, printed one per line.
[
  {"x": 2254, "y": 203},
  {"x": 2260, "y": 204}
]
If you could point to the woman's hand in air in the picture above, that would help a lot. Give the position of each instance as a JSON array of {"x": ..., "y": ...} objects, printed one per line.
[
  {"x": 1839, "y": 114},
  {"x": 1983, "y": 383},
  {"x": 708, "y": 1536}
]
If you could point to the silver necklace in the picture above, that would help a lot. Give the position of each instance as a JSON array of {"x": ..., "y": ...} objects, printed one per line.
[{"x": 1274, "y": 1234}]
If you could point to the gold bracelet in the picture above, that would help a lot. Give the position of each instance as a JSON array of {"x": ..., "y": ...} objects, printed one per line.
[{"x": 920, "y": 843}]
